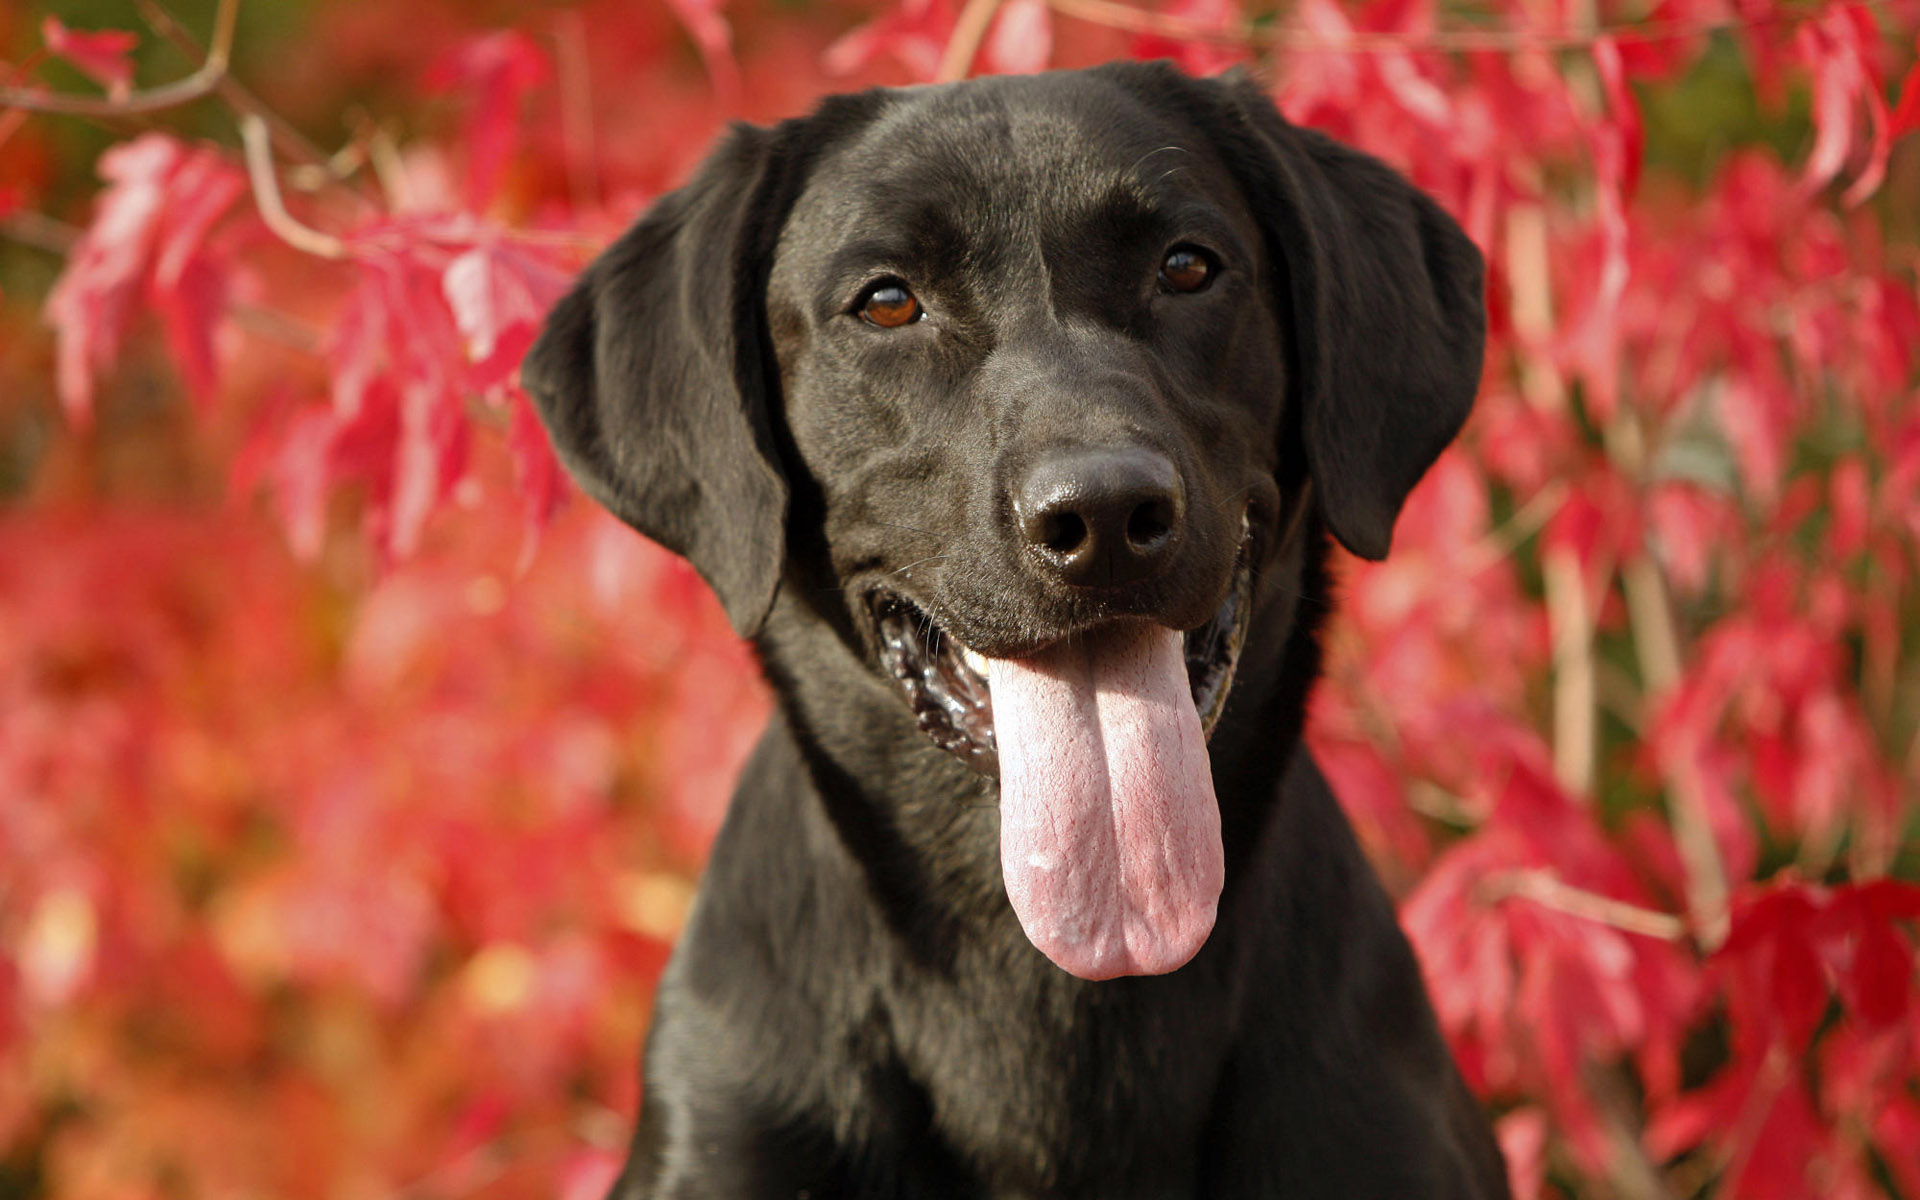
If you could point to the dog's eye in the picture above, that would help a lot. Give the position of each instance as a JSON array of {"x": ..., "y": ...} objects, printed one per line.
[
  {"x": 1186, "y": 269},
  {"x": 890, "y": 306}
]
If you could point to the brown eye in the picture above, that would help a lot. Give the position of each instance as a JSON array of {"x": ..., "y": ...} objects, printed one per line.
[
  {"x": 890, "y": 306},
  {"x": 1186, "y": 269}
]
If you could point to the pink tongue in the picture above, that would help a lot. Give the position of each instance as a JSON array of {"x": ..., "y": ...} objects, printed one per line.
[{"x": 1109, "y": 833}]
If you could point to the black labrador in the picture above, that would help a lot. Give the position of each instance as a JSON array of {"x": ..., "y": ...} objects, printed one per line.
[{"x": 1009, "y": 419}]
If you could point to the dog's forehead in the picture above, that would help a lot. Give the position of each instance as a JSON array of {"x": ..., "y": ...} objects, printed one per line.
[{"x": 1007, "y": 156}]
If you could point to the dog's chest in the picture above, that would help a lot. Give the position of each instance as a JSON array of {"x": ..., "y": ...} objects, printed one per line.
[{"x": 1060, "y": 1090}]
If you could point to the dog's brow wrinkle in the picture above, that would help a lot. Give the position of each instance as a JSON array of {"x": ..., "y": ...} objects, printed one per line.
[{"x": 908, "y": 528}]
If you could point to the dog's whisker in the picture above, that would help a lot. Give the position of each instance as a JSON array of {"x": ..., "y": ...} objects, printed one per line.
[
  {"x": 921, "y": 562},
  {"x": 1149, "y": 154}
]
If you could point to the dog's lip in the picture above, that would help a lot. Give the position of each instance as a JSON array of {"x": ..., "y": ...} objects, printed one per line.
[{"x": 945, "y": 679}]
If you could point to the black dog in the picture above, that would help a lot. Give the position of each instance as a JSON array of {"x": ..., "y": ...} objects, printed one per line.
[{"x": 1009, "y": 418}]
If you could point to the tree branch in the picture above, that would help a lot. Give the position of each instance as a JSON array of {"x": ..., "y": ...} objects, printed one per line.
[
  {"x": 1548, "y": 891},
  {"x": 266, "y": 195},
  {"x": 286, "y": 138},
  {"x": 202, "y": 82},
  {"x": 956, "y": 62},
  {"x": 1571, "y": 623},
  {"x": 1657, "y": 646}
]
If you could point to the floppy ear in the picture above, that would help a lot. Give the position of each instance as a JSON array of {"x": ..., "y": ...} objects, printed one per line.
[
  {"x": 653, "y": 376},
  {"x": 1389, "y": 315}
]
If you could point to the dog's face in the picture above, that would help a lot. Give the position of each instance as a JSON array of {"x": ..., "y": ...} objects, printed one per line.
[
  {"x": 1044, "y": 366},
  {"x": 1028, "y": 352}
]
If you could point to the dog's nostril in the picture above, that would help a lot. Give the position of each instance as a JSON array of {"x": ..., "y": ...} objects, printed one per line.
[
  {"x": 1062, "y": 532},
  {"x": 1150, "y": 523},
  {"x": 1101, "y": 517}
]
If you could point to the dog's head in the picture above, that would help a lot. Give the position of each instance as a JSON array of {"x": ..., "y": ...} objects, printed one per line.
[{"x": 1043, "y": 368}]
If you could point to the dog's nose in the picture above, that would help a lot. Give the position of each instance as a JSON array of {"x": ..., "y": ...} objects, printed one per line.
[{"x": 1102, "y": 517}]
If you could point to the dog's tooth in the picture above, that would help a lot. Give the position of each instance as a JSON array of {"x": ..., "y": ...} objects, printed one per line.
[{"x": 974, "y": 659}]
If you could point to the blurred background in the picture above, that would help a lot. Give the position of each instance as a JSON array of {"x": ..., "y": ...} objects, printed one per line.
[{"x": 354, "y": 774}]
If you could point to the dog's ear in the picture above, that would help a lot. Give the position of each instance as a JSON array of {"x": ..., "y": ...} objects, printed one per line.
[
  {"x": 654, "y": 376},
  {"x": 1385, "y": 291}
]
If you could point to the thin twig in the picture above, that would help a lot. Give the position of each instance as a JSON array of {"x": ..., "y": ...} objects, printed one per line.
[
  {"x": 1571, "y": 622},
  {"x": 956, "y": 62},
  {"x": 286, "y": 139},
  {"x": 202, "y": 82},
  {"x": 1525, "y": 521},
  {"x": 266, "y": 195},
  {"x": 1549, "y": 891},
  {"x": 1657, "y": 646},
  {"x": 278, "y": 327},
  {"x": 1632, "y": 1172},
  {"x": 40, "y": 231}
]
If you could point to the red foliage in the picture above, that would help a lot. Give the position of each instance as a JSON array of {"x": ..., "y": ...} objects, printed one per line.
[
  {"x": 148, "y": 245},
  {"x": 346, "y": 869},
  {"x": 100, "y": 56}
]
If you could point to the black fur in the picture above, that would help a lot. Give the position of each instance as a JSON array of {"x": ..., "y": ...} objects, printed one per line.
[{"x": 853, "y": 1010}]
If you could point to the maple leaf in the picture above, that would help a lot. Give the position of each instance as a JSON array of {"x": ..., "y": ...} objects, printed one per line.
[
  {"x": 703, "y": 22},
  {"x": 101, "y": 56},
  {"x": 1906, "y": 118},
  {"x": 1195, "y": 56},
  {"x": 499, "y": 297},
  {"x": 494, "y": 73},
  {"x": 914, "y": 32},
  {"x": 1021, "y": 39},
  {"x": 148, "y": 242},
  {"x": 542, "y": 484}
]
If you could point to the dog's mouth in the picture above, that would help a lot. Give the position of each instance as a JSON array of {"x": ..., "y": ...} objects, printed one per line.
[
  {"x": 945, "y": 681},
  {"x": 1109, "y": 830}
]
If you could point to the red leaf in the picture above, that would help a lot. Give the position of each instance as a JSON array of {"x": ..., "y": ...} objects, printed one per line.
[
  {"x": 1624, "y": 126},
  {"x": 92, "y": 305},
  {"x": 714, "y": 37},
  {"x": 1832, "y": 111},
  {"x": 1897, "y": 1130},
  {"x": 1196, "y": 57},
  {"x": 101, "y": 56},
  {"x": 1374, "y": 796},
  {"x": 302, "y": 474},
  {"x": 356, "y": 353},
  {"x": 1880, "y": 982},
  {"x": 499, "y": 296},
  {"x": 496, "y": 71},
  {"x": 915, "y": 33},
  {"x": 189, "y": 285},
  {"x": 1906, "y": 118},
  {"x": 1874, "y": 964},
  {"x": 589, "y": 1175},
  {"x": 1523, "y": 1140},
  {"x": 1774, "y": 971},
  {"x": 147, "y": 241},
  {"x": 1021, "y": 40},
  {"x": 543, "y": 487},
  {"x": 1843, "y": 75}
]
